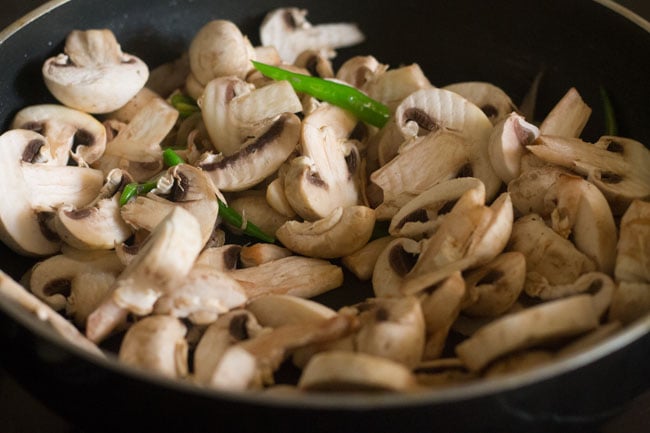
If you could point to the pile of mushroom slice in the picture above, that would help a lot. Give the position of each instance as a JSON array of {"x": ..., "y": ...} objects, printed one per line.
[{"x": 509, "y": 243}]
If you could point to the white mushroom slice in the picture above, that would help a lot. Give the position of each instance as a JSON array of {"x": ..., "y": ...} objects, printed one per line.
[
  {"x": 29, "y": 187},
  {"x": 507, "y": 145},
  {"x": 257, "y": 159},
  {"x": 128, "y": 111},
  {"x": 421, "y": 216},
  {"x": 219, "y": 49},
  {"x": 140, "y": 140},
  {"x": 326, "y": 176},
  {"x": 468, "y": 326},
  {"x": 156, "y": 343},
  {"x": 299, "y": 276},
  {"x": 533, "y": 326},
  {"x": 362, "y": 262},
  {"x": 568, "y": 118},
  {"x": 342, "y": 232},
  {"x": 492, "y": 100},
  {"x": 290, "y": 33},
  {"x": 68, "y": 131},
  {"x": 590, "y": 339},
  {"x": 193, "y": 87},
  {"x": 393, "y": 265},
  {"x": 316, "y": 62},
  {"x": 633, "y": 258},
  {"x": 169, "y": 76},
  {"x": 98, "y": 225},
  {"x": 630, "y": 301},
  {"x": 348, "y": 371},
  {"x": 529, "y": 190},
  {"x": 518, "y": 362},
  {"x": 164, "y": 261},
  {"x": 260, "y": 253},
  {"x": 392, "y": 86},
  {"x": 550, "y": 259},
  {"x": 75, "y": 284},
  {"x": 94, "y": 75},
  {"x": 358, "y": 71},
  {"x": 392, "y": 328},
  {"x": 442, "y": 372},
  {"x": 14, "y": 292},
  {"x": 277, "y": 199},
  {"x": 494, "y": 288},
  {"x": 222, "y": 258},
  {"x": 202, "y": 296},
  {"x": 233, "y": 111},
  {"x": 436, "y": 157},
  {"x": 441, "y": 306},
  {"x": 254, "y": 208},
  {"x": 279, "y": 310},
  {"x": 617, "y": 166}
]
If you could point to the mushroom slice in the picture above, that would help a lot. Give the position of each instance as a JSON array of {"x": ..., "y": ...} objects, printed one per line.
[
  {"x": 529, "y": 190},
  {"x": 518, "y": 362},
  {"x": 392, "y": 86},
  {"x": 630, "y": 301},
  {"x": 442, "y": 372},
  {"x": 507, "y": 145},
  {"x": 392, "y": 328},
  {"x": 326, "y": 175},
  {"x": 77, "y": 285},
  {"x": 219, "y": 49},
  {"x": 528, "y": 328},
  {"x": 29, "y": 187},
  {"x": 222, "y": 258},
  {"x": 254, "y": 208},
  {"x": 99, "y": 224},
  {"x": 494, "y": 288},
  {"x": 550, "y": 259},
  {"x": 260, "y": 253},
  {"x": 14, "y": 292},
  {"x": 590, "y": 339},
  {"x": 316, "y": 62},
  {"x": 156, "y": 343},
  {"x": 258, "y": 158},
  {"x": 299, "y": 276},
  {"x": 202, "y": 296},
  {"x": 633, "y": 258},
  {"x": 234, "y": 112},
  {"x": 362, "y": 262},
  {"x": 617, "y": 166},
  {"x": 568, "y": 118},
  {"x": 349, "y": 371},
  {"x": 169, "y": 76},
  {"x": 422, "y": 215},
  {"x": 441, "y": 305},
  {"x": 94, "y": 75},
  {"x": 342, "y": 232},
  {"x": 358, "y": 71},
  {"x": 393, "y": 265},
  {"x": 277, "y": 199},
  {"x": 279, "y": 310},
  {"x": 140, "y": 139},
  {"x": 492, "y": 100},
  {"x": 69, "y": 132},
  {"x": 288, "y": 30},
  {"x": 127, "y": 112}
]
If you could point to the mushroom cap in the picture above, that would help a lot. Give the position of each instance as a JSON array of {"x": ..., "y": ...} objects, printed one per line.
[
  {"x": 94, "y": 75},
  {"x": 492, "y": 100}
]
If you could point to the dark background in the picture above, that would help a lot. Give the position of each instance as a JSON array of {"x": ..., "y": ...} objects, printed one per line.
[{"x": 20, "y": 413}]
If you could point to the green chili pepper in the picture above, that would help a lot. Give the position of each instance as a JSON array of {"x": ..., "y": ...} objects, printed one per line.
[
  {"x": 233, "y": 218},
  {"x": 185, "y": 105},
  {"x": 611, "y": 126},
  {"x": 171, "y": 158},
  {"x": 344, "y": 96},
  {"x": 132, "y": 190}
]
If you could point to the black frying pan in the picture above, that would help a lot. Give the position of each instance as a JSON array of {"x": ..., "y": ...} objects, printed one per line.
[{"x": 580, "y": 43}]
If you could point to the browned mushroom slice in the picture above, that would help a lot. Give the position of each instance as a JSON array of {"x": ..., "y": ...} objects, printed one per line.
[
  {"x": 278, "y": 310},
  {"x": 156, "y": 343},
  {"x": 633, "y": 259},
  {"x": 529, "y": 190},
  {"x": 348, "y": 371},
  {"x": 260, "y": 253},
  {"x": 14, "y": 292},
  {"x": 630, "y": 301},
  {"x": 493, "y": 288},
  {"x": 393, "y": 264},
  {"x": 590, "y": 339},
  {"x": 530, "y": 327},
  {"x": 294, "y": 275},
  {"x": 362, "y": 262},
  {"x": 342, "y": 232},
  {"x": 442, "y": 372},
  {"x": 616, "y": 165},
  {"x": 518, "y": 362},
  {"x": 569, "y": 116},
  {"x": 468, "y": 326},
  {"x": 492, "y": 100}
]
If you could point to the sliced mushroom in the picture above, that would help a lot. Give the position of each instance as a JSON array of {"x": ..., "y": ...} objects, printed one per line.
[
  {"x": 326, "y": 175},
  {"x": 392, "y": 86},
  {"x": 257, "y": 159},
  {"x": 254, "y": 208},
  {"x": 442, "y": 372},
  {"x": 349, "y": 371},
  {"x": 507, "y": 145},
  {"x": 533, "y": 326},
  {"x": 393, "y": 265},
  {"x": 94, "y": 75},
  {"x": 222, "y": 258},
  {"x": 362, "y": 262},
  {"x": 342, "y": 232},
  {"x": 156, "y": 343},
  {"x": 69, "y": 132},
  {"x": 260, "y": 253},
  {"x": 590, "y": 339},
  {"x": 633, "y": 249},
  {"x": 290, "y": 33},
  {"x": 277, "y": 199},
  {"x": 128, "y": 111},
  {"x": 30, "y": 187},
  {"x": 568, "y": 118},
  {"x": 358, "y": 71},
  {"x": 518, "y": 362},
  {"x": 529, "y": 190},
  {"x": 299, "y": 276},
  {"x": 492, "y": 100},
  {"x": 169, "y": 76},
  {"x": 279, "y": 310},
  {"x": 316, "y": 62},
  {"x": 630, "y": 301},
  {"x": 616, "y": 165}
]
